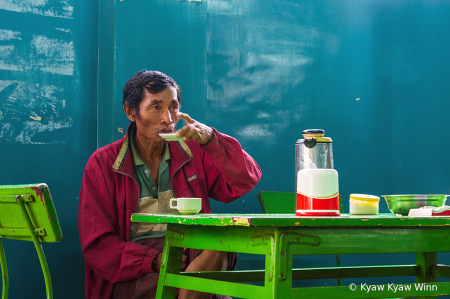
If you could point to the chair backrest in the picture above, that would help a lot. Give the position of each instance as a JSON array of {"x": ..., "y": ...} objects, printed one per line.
[
  {"x": 27, "y": 213},
  {"x": 281, "y": 202},
  {"x": 277, "y": 202},
  {"x": 39, "y": 207}
]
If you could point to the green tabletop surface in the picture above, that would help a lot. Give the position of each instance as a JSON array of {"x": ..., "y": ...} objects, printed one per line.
[{"x": 291, "y": 220}]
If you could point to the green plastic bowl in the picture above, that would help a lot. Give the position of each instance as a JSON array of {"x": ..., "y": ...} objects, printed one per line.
[{"x": 401, "y": 204}]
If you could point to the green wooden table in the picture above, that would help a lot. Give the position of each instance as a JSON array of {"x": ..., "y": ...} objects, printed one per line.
[{"x": 280, "y": 236}]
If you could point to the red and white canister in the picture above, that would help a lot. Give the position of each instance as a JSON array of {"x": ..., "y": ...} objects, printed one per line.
[{"x": 317, "y": 192}]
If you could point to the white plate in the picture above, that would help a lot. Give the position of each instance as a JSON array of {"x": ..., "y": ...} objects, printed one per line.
[{"x": 170, "y": 137}]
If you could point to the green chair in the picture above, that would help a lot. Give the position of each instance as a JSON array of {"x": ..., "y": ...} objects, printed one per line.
[
  {"x": 284, "y": 203},
  {"x": 277, "y": 202},
  {"x": 281, "y": 202},
  {"x": 27, "y": 213}
]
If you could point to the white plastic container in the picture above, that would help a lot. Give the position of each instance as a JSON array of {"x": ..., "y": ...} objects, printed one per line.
[
  {"x": 317, "y": 192},
  {"x": 363, "y": 204}
]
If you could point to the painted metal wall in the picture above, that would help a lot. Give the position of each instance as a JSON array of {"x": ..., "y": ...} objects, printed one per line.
[{"x": 48, "y": 109}]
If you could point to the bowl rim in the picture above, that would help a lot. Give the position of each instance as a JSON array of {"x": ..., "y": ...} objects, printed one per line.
[{"x": 415, "y": 195}]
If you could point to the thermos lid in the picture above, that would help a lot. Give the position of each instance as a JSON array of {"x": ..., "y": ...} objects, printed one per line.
[{"x": 316, "y": 134}]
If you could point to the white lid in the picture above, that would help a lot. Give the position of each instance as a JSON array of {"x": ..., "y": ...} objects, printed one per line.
[{"x": 364, "y": 197}]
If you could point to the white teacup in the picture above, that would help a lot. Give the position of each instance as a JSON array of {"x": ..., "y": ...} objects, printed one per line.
[{"x": 185, "y": 205}]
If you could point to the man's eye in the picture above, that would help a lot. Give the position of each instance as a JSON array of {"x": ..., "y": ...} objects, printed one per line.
[
  {"x": 155, "y": 108},
  {"x": 174, "y": 107}
]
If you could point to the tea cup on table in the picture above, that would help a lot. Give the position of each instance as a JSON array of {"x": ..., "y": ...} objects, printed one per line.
[{"x": 187, "y": 205}]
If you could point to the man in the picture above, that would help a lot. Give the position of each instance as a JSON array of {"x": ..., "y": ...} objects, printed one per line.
[{"x": 141, "y": 173}]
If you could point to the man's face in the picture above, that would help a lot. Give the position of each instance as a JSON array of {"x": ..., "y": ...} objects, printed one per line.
[{"x": 157, "y": 114}]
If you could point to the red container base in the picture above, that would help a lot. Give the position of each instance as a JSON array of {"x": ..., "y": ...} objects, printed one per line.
[
  {"x": 317, "y": 206},
  {"x": 312, "y": 213}
]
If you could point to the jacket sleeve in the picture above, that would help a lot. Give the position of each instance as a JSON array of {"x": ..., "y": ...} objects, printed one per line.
[
  {"x": 230, "y": 171},
  {"x": 110, "y": 256}
]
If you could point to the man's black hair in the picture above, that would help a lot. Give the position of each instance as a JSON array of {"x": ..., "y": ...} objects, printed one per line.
[{"x": 152, "y": 81}]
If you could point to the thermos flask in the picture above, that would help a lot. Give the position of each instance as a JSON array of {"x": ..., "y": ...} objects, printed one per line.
[{"x": 316, "y": 182}]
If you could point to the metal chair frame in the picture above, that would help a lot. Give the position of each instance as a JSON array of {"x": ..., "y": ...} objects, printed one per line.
[{"x": 32, "y": 231}]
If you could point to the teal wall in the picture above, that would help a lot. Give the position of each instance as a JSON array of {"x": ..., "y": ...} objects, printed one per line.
[
  {"x": 373, "y": 74},
  {"x": 48, "y": 69}
]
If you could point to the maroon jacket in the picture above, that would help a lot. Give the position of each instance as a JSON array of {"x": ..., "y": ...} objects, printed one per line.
[{"x": 221, "y": 170}]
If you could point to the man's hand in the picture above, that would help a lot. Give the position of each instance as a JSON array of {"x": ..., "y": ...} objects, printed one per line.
[
  {"x": 194, "y": 130},
  {"x": 156, "y": 265}
]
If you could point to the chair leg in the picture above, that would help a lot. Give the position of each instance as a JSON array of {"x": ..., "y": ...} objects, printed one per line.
[
  {"x": 338, "y": 263},
  {"x": 39, "y": 250},
  {"x": 4, "y": 272}
]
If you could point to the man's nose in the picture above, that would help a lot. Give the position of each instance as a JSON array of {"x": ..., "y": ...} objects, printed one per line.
[{"x": 167, "y": 117}]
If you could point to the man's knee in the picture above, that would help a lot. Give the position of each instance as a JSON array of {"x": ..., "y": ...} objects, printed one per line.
[{"x": 218, "y": 260}]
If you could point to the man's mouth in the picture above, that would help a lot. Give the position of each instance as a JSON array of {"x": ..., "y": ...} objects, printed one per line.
[{"x": 167, "y": 130}]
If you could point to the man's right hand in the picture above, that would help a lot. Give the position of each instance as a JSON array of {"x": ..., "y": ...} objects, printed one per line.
[{"x": 157, "y": 261}]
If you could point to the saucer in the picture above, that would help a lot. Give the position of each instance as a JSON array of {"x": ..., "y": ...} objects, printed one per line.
[
  {"x": 189, "y": 212},
  {"x": 170, "y": 137}
]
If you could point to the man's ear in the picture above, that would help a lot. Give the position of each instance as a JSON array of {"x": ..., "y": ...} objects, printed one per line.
[{"x": 129, "y": 112}]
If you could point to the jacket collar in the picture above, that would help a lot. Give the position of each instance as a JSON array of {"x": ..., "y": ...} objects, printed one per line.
[
  {"x": 180, "y": 153},
  {"x": 124, "y": 160}
]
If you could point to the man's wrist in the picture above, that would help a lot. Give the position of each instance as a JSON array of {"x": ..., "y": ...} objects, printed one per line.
[{"x": 211, "y": 135}]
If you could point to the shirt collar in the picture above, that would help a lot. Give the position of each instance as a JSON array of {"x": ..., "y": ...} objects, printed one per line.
[{"x": 166, "y": 152}]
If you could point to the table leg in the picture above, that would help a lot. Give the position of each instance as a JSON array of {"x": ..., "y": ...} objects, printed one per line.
[
  {"x": 278, "y": 270},
  {"x": 171, "y": 265},
  {"x": 426, "y": 260}
]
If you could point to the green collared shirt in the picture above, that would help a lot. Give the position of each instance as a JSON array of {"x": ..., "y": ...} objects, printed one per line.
[
  {"x": 147, "y": 186},
  {"x": 152, "y": 198}
]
